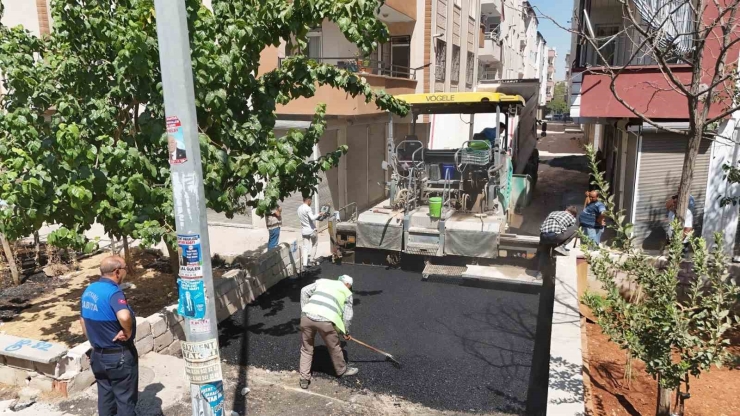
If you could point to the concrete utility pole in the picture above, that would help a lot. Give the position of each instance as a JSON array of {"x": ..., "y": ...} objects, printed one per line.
[{"x": 196, "y": 295}]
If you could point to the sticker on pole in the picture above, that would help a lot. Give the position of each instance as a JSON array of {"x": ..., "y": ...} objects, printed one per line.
[
  {"x": 199, "y": 326},
  {"x": 213, "y": 393},
  {"x": 192, "y": 298},
  {"x": 175, "y": 141},
  {"x": 191, "y": 256},
  {"x": 202, "y": 364}
]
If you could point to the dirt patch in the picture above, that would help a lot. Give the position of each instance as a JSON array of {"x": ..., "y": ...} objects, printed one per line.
[
  {"x": 49, "y": 310},
  {"x": 714, "y": 394}
]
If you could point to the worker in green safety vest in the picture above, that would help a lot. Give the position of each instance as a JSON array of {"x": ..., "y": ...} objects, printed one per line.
[{"x": 326, "y": 308}]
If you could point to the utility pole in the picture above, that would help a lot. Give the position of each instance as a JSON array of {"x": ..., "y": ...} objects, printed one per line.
[{"x": 196, "y": 295}]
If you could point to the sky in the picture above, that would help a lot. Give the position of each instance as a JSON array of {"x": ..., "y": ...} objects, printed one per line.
[{"x": 560, "y": 11}]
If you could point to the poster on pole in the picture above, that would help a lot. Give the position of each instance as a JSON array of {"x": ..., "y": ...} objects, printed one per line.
[
  {"x": 191, "y": 256},
  {"x": 192, "y": 298},
  {"x": 175, "y": 141},
  {"x": 202, "y": 364},
  {"x": 213, "y": 393}
]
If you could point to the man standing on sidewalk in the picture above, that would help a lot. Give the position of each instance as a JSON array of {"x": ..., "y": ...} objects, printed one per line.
[
  {"x": 593, "y": 217},
  {"x": 308, "y": 231},
  {"x": 326, "y": 308},
  {"x": 274, "y": 221},
  {"x": 109, "y": 324}
]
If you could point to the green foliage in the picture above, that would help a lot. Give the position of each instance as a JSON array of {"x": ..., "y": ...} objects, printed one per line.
[
  {"x": 101, "y": 155},
  {"x": 558, "y": 104},
  {"x": 675, "y": 329}
]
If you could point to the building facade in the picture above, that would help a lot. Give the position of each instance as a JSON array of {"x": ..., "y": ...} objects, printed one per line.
[
  {"x": 644, "y": 163},
  {"x": 552, "y": 56}
]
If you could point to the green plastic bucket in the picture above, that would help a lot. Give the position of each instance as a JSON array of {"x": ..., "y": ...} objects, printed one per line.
[{"x": 435, "y": 207}]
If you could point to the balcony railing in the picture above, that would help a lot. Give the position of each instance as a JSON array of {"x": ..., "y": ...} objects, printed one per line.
[
  {"x": 493, "y": 34},
  {"x": 487, "y": 75},
  {"x": 616, "y": 53},
  {"x": 367, "y": 66}
]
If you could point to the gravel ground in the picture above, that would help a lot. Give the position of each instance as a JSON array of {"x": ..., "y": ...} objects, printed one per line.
[{"x": 462, "y": 348}]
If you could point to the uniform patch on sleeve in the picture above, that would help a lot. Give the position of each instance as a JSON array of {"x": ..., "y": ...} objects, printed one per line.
[{"x": 122, "y": 301}]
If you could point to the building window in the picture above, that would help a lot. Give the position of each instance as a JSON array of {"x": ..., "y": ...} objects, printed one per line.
[
  {"x": 440, "y": 60},
  {"x": 455, "y": 64},
  {"x": 314, "y": 44},
  {"x": 470, "y": 68}
]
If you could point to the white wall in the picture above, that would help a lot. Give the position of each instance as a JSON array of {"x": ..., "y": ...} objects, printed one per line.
[
  {"x": 716, "y": 218},
  {"x": 21, "y": 12}
]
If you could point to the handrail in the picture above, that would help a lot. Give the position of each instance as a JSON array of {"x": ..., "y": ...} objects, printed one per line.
[{"x": 414, "y": 161}]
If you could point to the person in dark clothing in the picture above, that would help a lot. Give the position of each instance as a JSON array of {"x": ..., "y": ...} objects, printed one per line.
[
  {"x": 109, "y": 324},
  {"x": 558, "y": 229},
  {"x": 593, "y": 217}
]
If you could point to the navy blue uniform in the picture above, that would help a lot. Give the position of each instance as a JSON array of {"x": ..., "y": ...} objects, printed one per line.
[{"x": 115, "y": 364}]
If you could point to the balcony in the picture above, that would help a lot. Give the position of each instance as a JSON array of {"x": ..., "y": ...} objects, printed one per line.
[
  {"x": 380, "y": 75},
  {"x": 490, "y": 52},
  {"x": 398, "y": 11},
  {"x": 491, "y": 8}
]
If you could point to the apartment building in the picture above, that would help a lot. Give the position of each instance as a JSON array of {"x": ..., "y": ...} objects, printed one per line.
[
  {"x": 511, "y": 40},
  {"x": 552, "y": 56},
  {"x": 644, "y": 163},
  {"x": 541, "y": 73}
]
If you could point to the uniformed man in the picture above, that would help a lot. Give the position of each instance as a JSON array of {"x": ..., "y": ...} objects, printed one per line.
[
  {"x": 109, "y": 323},
  {"x": 326, "y": 308}
]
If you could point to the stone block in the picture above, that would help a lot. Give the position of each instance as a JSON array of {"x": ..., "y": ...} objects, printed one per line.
[
  {"x": 31, "y": 349},
  {"x": 174, "y": 349},
  {"x": 234, "y": 274},
  {"x": 163, "y": 341},
  {"x": 77, "y": 359},
  {"x": 227, "y": 286},
  {"x": 80, "y": 382},
  {"x": 42, "y": 383},
  {"x": 170, "y": 315},
  {"x": 178, "y": 330},
  {"x": 13, "y": 376},
  {"x": 158, "y": 324},
  {"x": 21, "y": 363},
  {"x": 50, "y": 369},
  {"x": 144, "y": 345},
  {"x": 143, "y": 329}
]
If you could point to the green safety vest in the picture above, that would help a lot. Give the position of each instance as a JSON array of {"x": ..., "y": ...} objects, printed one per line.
[{"x": 328, "y": 301}]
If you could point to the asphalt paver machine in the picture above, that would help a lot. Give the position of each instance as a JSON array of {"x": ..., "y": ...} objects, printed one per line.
[{"x": 448, "y": 206}]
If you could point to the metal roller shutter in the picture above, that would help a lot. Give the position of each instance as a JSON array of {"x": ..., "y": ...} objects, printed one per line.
[{"x": 661, "y": 161}]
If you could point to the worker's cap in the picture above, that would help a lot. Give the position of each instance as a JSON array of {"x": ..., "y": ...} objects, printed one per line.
[{"x": 346, "y": 279}]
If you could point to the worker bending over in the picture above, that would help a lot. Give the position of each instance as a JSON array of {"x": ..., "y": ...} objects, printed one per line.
[{"x": 326, "y": 308}]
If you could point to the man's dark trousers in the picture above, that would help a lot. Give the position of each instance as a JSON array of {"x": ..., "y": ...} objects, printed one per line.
[
  {"x": 117, "y": 374},
  {"x": 548, "y": 241}
]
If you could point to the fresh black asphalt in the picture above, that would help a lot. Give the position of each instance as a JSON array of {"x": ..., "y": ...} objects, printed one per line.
[{"x": 462, "y": 348}]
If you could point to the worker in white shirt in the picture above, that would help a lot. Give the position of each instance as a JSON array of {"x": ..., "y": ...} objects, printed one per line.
[{"x": 308, "y": 231}]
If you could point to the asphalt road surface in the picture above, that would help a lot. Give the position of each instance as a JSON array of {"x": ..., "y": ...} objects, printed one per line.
[{"x": 462, "y": 348}]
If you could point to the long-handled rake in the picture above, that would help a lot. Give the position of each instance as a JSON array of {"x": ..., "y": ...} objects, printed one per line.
[{"x": 387, "y": 356}]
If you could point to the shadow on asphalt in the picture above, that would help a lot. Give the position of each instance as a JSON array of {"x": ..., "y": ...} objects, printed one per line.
[
  {"x": 576, "y": 163},
  {"x": 465, "y": 346}
]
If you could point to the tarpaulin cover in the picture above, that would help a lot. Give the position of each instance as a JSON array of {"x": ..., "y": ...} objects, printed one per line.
[
  {"x": 472, "y": 238},
  {"x": 380, "y": 231}
]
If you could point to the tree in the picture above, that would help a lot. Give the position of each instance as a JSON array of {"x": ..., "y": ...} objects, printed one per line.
[
  {"x": 558, "y": 104},
  {"x": 104, "y": 61},
  {"x": 701, "y": 33},
  {"x": 676, "y": 331}
]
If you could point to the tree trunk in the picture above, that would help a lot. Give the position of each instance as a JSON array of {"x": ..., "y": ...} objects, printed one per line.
[
  {"x": 127, "y": 255},
  {"x": 687, "y": 174},
  {"x": 37, "y": 248},
  {"x": 72, "y": 254},
  {"x": 112, "y": 244},
  {"x": 11, "y": 261},
  {"x": 664, "y": 401},
  {"x": 174, "y": 260}
]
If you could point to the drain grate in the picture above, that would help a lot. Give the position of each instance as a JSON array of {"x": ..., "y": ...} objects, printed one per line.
[{"x": 442, "y": 270}]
